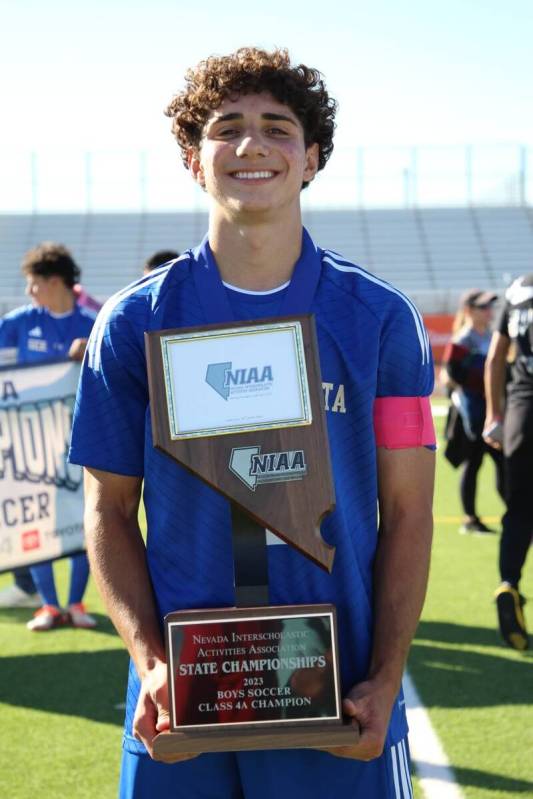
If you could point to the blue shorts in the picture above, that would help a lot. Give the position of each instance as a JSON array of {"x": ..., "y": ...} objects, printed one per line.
[{"x": 263, "y": 775}]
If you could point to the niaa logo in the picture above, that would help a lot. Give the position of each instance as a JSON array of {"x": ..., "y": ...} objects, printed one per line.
[
  {"x": 227, "y": 381},
  {"x": 254, "y": 468}
]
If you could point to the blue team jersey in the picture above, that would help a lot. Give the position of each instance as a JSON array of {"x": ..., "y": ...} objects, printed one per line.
[
  {"x": 372, "y": 343},
  {"x": 33, "y": 334}
]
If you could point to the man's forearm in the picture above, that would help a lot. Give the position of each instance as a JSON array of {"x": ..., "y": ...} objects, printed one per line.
[
  {"x": 118, "y": 563},
  {"x": 402, "y": 560},
  {"x": 400, "y": 579},
  {"x": 495, "y": 372},
  {"x": 494, "y": 383}
]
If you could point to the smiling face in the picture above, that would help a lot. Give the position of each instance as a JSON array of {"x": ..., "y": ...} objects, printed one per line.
[{"x": 252, "y": 158}]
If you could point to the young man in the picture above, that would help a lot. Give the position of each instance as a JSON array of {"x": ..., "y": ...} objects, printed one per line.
[
  {"x": 515, "y": 327},
  {"x": 253, "y": 130},
  {"x": 53, "y": 327},
  {"x": 55, "y": 324}
]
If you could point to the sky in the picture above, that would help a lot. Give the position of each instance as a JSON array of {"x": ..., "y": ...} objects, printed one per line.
[{"x": 95, "y": 76}]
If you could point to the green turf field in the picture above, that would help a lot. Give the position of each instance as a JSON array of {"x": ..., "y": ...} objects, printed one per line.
[
  {"x": 60, "y": 692},
  {"x": 478, "y": 692}
]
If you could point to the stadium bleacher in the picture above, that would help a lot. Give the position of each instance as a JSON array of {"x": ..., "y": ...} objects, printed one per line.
[{"x": 431, "y": 253}]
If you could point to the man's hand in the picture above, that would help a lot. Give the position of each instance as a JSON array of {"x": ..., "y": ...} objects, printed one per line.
[
  {"x": 77, "y": 349},
  {"x": 493, "y": 432},
  {"x": 152, "y": 715},
  {"x": 369, "y": 704}
]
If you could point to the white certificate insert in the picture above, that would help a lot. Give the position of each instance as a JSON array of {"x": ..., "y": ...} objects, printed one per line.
[{"x": 236, "y": 380}]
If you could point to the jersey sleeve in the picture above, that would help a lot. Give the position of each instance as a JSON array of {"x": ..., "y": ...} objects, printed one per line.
[
  {"x": 9, "y": 340},
  {"x": 402, "y": 411},
  {"x": 110, "y": 411},
  {"x": 405, "y": 361}
]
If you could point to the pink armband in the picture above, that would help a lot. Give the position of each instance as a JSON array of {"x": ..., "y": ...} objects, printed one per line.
[{"x": 402, "y": 422}]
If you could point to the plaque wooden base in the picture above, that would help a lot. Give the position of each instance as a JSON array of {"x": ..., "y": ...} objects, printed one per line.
[
  {"x": 254, "y": 678},
  {"x": 319, "y": 736},
  {"x": 253, "y": 668}
]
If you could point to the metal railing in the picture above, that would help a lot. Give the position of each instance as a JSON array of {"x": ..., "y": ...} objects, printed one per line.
[{"x": 365, "y": 177}]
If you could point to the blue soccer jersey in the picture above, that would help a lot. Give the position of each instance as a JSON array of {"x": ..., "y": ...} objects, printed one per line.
[
  {"x": 32, "y": 334},
  {"x": 372, "y": 343}
]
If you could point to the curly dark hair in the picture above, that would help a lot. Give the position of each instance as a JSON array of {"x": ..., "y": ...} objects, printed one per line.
[
  {"x": 49, "y": 258},
  {"x": 250, "y": 71}
]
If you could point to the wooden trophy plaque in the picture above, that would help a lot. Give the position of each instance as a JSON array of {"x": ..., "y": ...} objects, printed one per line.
[{"x": 248, "y": 419}]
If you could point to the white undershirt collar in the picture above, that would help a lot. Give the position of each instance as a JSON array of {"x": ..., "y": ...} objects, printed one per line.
[{"x": 256, "y": 293}]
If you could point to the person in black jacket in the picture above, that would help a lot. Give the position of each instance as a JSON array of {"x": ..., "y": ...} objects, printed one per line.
[{"x": 513, "y": 432}]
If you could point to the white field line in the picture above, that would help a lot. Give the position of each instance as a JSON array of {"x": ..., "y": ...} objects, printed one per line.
[
  {"x": 432, "y": 767},
  {"x": 439, "y": 410}
]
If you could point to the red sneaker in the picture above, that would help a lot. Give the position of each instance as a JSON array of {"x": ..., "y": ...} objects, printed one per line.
[{"x": 46, "y": 618}]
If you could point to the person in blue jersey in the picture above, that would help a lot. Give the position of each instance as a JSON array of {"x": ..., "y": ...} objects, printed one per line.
[
  {"x": 254, "y": 130},
  {"x": 54, "y": 326}
]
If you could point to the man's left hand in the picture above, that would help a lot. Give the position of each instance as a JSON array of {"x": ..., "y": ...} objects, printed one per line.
[{"x": 369, "y": 704}]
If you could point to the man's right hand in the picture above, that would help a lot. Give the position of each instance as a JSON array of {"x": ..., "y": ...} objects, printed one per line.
[
  {"x": 152, "y": 714},
  {"x": 493, "y": 432}
]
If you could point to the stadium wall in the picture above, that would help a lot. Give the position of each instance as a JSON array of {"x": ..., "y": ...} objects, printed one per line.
[{"x": 433, "y": 254}]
